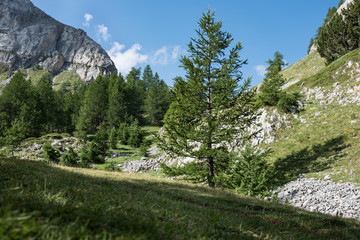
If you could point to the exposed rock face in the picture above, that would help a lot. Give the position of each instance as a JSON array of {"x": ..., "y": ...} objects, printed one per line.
[{"x": 29, "y": 37}]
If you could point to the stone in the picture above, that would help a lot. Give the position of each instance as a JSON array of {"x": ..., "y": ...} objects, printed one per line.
[
  {"x": 29, "y": 38},
  {"x": 338, "y": 199},
  {"x": 327, "y": 177}
]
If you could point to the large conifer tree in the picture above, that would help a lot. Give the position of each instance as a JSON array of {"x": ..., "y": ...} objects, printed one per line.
[{"x": 211, "y": 110}]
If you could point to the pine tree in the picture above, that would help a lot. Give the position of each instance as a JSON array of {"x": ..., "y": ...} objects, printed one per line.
[
  {"x": 312, "y": 42},
  {"x": 147, "y": 77},
  {"x": 15, "y": 134},
  {"x": 332, "y": 39},
  {"x": 211, "y": 109},
  {"x": 14, "y": 96},
  {"x": 47, "y": 102},
  {"x": 135, "y": 93},
  {"x": 352, "y": 19},
  {"x": 340, "y": 33},
  {"x": 117, "y": 112},
  {"x": 95, "y": 105},
  {"x": 157, "y": 101},
  {"x": 270, "y": 88},
  {"x": 19, "y": 100}
]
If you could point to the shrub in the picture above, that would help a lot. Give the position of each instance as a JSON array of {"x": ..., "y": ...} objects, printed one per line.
[
  {"x": 50, "y": 153},
  {"x": 288, "y": 101},
  {"x": 85, "y": 156},
  {"x": 131, "y": 135},
  {"x": 111, "y": 166},
  {"x": 136, "y": 135},
  {"x": 70, "y": 158},
  {"x": 249, "y": 173},
  {"x": 91, "y": 153},
  {"x": 143, "y": 150}
]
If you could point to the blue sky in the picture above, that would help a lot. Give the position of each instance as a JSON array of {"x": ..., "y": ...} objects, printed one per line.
[{"x": 140, "y": 32}]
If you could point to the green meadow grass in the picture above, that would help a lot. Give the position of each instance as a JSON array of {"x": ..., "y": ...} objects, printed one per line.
[
  {"x": 327, "y": 140},
  {"x": 40, "y": 201},
  {"x": 325, "y": 143},
  {"x": 306, "y": 67}
]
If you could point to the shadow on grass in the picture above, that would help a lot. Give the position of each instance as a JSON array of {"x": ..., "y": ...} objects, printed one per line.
[
  {"x": 308, "y": 160},
  {"x": 95, "y": 202}
]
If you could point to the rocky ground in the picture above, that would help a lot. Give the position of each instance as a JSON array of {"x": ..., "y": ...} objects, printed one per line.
[
  {"x": 337, "y": 199},
  {"x": 33, "y": 149}
]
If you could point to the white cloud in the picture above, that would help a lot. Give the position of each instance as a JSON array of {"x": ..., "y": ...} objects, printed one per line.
[
  {"x": 165, "y": 55},
  {"x": 88, "y": 17},
  {"x": 126, "y": 59},
  {"x": 103, "y": 33},
  {"x": 175, "y": 53},
  {"x": 260, "y": 70}
]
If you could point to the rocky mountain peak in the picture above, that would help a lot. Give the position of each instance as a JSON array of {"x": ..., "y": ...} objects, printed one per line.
[{"x": 29, "y": 37}]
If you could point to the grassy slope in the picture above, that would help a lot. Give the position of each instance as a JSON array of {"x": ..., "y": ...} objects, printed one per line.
[
  {"x": 67, "y": 77},
  {"x": 304, "y": 68},
  {"x": 325, "y": 141},
  {"x": 71, "y": 79},
  {"x": 52, "y": 202}
]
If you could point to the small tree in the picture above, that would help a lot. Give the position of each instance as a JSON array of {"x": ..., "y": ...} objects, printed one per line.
[
  {"x": 123, "y": 133},
  {"x": 249, "y": 173},
  {"x": 50, "y": 153},
  {"x": 113, "y": 137},
  {"x": 15, "y": 134},
  {"x": 70, "y": 158},
  {"x": 136, "y": 135},
  {"x": 312, "y": 42},
  {"x": 270, "y": 88},
  {"x": 271, "y": 93},
  {"x": 99, "y": 145}
]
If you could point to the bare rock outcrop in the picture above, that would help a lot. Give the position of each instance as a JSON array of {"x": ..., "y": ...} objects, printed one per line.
[{"x": 29, "y": 37}]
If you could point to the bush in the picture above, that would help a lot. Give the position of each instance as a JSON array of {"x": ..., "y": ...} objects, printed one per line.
[
  {"x": 143, "y": 150},
  {"x": 50, "y": 154},
  {"x": 70, "y": 158},
  {"x": 111, "y": 166},
  {"x": 288, "y": 101},
  {"x": 249, "y": 173},
  {"x": 85, "y": 156},
  {"x": 131, "y": 135},
  {"x": 136, "y": 135}
]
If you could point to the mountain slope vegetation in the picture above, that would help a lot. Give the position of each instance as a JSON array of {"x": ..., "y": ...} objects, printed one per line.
[{"x": 324, "y": 135}]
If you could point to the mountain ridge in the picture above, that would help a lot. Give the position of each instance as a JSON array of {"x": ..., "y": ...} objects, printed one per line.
[{"x": 29, "y": 37}]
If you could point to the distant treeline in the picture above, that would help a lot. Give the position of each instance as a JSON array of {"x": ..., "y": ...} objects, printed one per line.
[
  {"x": 339, "y": 33},
  {"x": 31, "y": 110}
]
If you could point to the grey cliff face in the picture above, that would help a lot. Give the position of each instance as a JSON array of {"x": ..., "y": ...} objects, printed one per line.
[{"x": 29, "y": 37}]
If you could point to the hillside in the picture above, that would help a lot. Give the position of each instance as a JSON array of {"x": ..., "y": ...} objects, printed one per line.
[
  {"x": 324, "y": 136},
  {"x": 29, "y": 38},
  {"x": 44, "y": 201}
]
